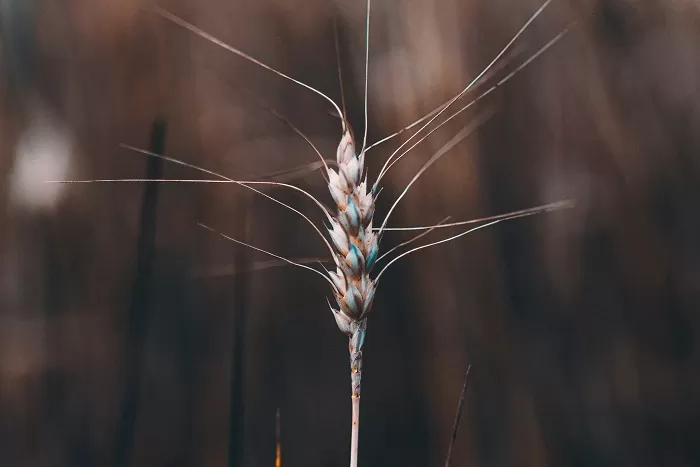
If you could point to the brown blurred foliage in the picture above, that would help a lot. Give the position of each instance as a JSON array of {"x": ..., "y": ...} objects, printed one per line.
[{"x": 580, "y": 325}]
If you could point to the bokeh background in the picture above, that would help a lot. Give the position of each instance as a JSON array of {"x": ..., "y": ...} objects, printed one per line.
[{"x": 129, "y": 335}]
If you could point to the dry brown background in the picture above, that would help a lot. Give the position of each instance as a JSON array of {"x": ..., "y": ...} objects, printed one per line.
[{"x": 582, "y": 326}]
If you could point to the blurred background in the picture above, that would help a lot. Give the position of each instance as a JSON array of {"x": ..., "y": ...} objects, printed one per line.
[{"x": 131, "y": 336}]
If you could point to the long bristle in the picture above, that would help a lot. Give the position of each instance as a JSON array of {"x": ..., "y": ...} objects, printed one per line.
[
  {"x": 205, "y": 35},
  {"x": 477, "y": 99},
  {"x": 454, "y": 237},
  {"x": 468, "y": 87},
  {"x": 458, "y": 138},
  {"x": 248, "y": 245}
]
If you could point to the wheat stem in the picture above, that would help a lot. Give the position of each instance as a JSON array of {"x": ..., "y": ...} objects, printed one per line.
[
  {"x": 355, "y": 346},
  {"x": 354, "y": 437}
]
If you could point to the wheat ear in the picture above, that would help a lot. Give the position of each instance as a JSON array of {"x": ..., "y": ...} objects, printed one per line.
[{"x": 356, "y": 250}]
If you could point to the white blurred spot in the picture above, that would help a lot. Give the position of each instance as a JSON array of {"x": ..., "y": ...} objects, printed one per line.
[{"x": 43, "y": 152}]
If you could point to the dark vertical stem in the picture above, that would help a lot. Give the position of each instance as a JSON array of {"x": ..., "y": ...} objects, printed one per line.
[
  {"x": 188, "y": 380},
  {"x": 458, "y": 416},
  {"x": 18, "y": 30},
  {"x": 278, "y": 440},
  {"x": 241, "y": 283},
  {"x": 137, "y": 318}
]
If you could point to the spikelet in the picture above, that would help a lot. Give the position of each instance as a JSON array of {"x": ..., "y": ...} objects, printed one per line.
[{"x": 356, "y": 248}]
